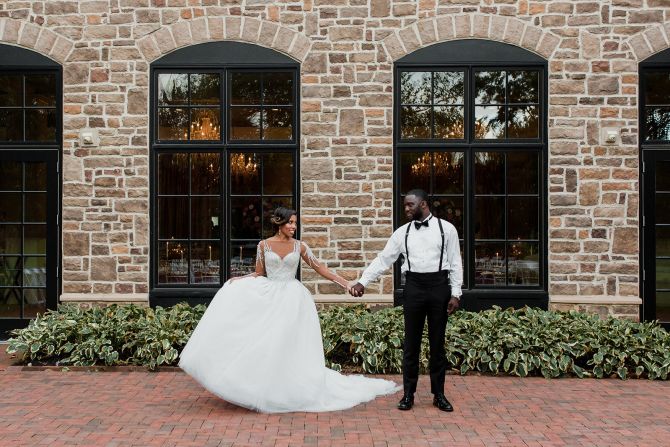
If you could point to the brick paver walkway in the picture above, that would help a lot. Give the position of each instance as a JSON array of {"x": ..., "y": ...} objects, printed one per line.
[{"x": 169, "y": 409}]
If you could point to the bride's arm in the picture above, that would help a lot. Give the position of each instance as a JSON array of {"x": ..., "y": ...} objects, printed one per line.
[
  {"x": 260, "y": 264},
  {"x": 307, "y": 256}
]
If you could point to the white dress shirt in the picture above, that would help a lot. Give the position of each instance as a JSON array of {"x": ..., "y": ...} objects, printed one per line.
[{"x": 424, "y": 253}]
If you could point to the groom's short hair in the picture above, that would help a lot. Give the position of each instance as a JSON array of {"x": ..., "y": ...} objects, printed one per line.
[{"x": 419, "y": 194}]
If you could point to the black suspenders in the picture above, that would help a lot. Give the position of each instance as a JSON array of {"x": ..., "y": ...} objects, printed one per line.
[{"x": 409, "y": 225}]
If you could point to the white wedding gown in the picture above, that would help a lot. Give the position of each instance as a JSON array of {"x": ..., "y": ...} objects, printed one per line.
[{"x": 259, "y": 346}]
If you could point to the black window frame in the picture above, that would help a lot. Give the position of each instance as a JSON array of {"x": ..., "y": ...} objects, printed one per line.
[
  {"x": 16, "y": 60},
  {"x": 472, "y": 55},
  {"x": 224, "y": 58}
]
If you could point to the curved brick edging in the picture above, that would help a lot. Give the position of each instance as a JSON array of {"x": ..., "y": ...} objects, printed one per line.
[
  {"x": 207, "y": 29},
  {"x": 34, "y": 37},
  {"x": 649, "y": 42},
  {"x": 462, "y": 26}
]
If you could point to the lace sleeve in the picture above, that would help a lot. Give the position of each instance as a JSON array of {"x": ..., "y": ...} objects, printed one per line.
[
  {"x": 260, "y": 257},
  {"x": 309, "y": 257}
]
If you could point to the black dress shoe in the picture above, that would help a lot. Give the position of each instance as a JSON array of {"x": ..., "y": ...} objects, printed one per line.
[
  {"x": 441, "y": 402},
  {"x": 406, "y": 402}
]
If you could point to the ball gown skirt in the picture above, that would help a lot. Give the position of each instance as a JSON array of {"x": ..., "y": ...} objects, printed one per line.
[{"x": 259, "y": 346}]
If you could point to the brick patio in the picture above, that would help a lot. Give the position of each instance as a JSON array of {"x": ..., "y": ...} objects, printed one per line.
[{"x": 169, "y": 409}]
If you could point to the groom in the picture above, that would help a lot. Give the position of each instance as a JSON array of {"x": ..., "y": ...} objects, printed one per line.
[{"x": 432, "y": 260}]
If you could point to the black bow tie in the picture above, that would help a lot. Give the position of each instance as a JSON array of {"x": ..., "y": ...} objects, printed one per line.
[{"x": 418, "y": 224}]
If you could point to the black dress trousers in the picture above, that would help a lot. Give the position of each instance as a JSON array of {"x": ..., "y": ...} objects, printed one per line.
[{"x": 426, "y": 295}]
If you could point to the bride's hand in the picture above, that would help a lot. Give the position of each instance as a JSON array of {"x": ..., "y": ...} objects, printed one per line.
[{"x": 350, "y": 287}]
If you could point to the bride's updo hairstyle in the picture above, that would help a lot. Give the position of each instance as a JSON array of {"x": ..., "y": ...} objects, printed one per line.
[{"x": 280, "y": 216}]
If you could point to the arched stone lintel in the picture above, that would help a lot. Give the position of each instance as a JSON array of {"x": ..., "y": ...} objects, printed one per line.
[
  {"x": 34, "y": 37},
  {"x": 211, "y": 29},
  {"x": 509, "y": 30},
  {"x": 651, "y": 41}
]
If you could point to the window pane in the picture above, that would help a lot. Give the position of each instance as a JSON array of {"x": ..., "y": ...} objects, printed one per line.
[
  {"x": 245, "y": 123},
  {"x": 172, "y": 124},
  {"x": 449, "y": 87},
  {"x": 35, "y": 239},
  {"x": 415, "y": 122},
  {"x": 34, "y": 302},
  {"x": 172, "y": 89},
  {"x": 205, "y": 262},
  {"x": 278, "y": 173},
  {"x": 242, "y": 258},
  {"x": 657, "y": 123},
  {"x": 278, "y": 88},
  {"x": 35, "y": 272},
  {"x": 489, "y": 122},
  {"x": 522, "y": 218},
  {"x": 10, "y": 239},
  {"x": 662, "y": 241},
  {"x": 269, "y": 205},
  {"x": 414, "y": 171},
  {"x": 522, "y": 172},
  {"x": 36, "y": 176},
  {"x": 205, "y": 173},
  {"x": 36, "y": 207},
  {"x": 205, "y": 217},
  {"x": 489, "y": 217},
  {"x": 523, "y": 86},
  {"x": 415, "y": 87},
  {"x": 490, "y": 87},
  {"x": 663, "y": 306},
  {"x": 10, "y": 304},
  {"x": 245, "y": 88},
  {"x": 205, "y": 89},
  {"x": 173, "y": 217},
  {"x": 12, "y": 207},
  {"x": 41, "y": 90},
  {"x": 524, "y": 265},
  {"x": 662, "y": 177},
  {"x": 657, "y": 88},
  {"x": 11, "y": 125},
  {"x": 523, "y": 122},
  {"x": 173, "y": 173},
  {"x": 10, "y": 91},
  {"x": 449, "y": 122},
  {"x": 173, "y": 262},
  {"x": 278, "y": 124},
  {"x": 448, "y": 172},
  {"x": 489, "y": 173},
  {"x": 245, "y": 217},
  {"x": 12, "y": 175},
  {"x": 663, "y": 208},
  {"x": 10, "y": 271},
  {"x": 245, "y": 173},
  {"x": 663, "y": 273},
  {"x": 451, "y": 209},
  {"x": 490, "y": 264},
  {"x": 205, "y": 124},
  {"x": 41, "y": 124}
]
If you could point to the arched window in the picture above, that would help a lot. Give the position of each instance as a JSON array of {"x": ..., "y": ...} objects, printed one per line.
[
  {"x": 470, "y": 130},
  {"x": 30, "y": 143},
  {"x": 655, "y": 181},
  {"x": 224, "y": 141}
]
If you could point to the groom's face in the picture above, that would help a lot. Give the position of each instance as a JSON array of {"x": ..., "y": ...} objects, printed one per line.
[{"x": 413, "y": 207}]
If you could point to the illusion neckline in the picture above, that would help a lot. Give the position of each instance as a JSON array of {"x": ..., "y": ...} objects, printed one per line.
[{"x": 295, "y": 245}]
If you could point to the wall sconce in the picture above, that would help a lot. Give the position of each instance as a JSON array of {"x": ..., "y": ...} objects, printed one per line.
[
  {"x": 609, "y": 135},
  {"x": 89, "y": 138}
]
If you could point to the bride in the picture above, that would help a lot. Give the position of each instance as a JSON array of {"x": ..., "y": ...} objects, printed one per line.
[{"x": 259, "y": 343}]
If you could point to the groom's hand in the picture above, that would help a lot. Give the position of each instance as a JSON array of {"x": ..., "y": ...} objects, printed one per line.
[
  {"x": 453, "y": 305},
  {"x": 358, "y": 290}
]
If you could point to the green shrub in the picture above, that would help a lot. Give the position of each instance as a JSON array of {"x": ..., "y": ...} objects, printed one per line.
[
  {"x": 114, "y": 335},
  {"x": 514, "y": 342}
]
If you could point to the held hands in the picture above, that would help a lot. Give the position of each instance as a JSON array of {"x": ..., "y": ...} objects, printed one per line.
[
  {"x": 356, "y": 289},
  {"x": 453, "y": 305}
]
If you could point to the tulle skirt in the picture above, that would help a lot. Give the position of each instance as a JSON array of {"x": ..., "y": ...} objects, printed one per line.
[{"x": 259, "y": 346}]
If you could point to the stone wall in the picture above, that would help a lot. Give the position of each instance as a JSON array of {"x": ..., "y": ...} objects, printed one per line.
[{"x": 347, "y": 49}]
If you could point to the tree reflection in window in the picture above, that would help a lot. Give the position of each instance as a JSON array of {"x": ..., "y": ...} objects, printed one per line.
[{"x": 657, "y": 105}]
